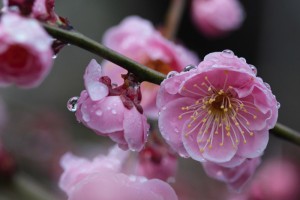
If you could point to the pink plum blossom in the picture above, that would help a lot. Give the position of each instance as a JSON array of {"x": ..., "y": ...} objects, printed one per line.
[
  {"x": 137, "y": 39},
  {"x": 113, "y": 112},
  {"x": 277, "y": 180},
  {"x": 102, "y": 179},
  {"x": 25, "y": 51},
  {"x": 219, "y": 112},
  {"x": 216, "y": 17},
  {"x": 235, "y": 177},
  {"x": 157, "y": 161}
]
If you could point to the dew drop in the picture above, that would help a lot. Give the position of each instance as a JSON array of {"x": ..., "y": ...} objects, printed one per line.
[
  {"x": 176, "y": 130},
  {"x": 72, "y": 104},
  {"x": 278, "y": 105},
  {"x": 86, "y": 117},
  {"x": 114, "y": 112},
  {"x": 189, "y": 68},
  {"x": 183, "y": 155},
  {"x": 227, "y": 53},
  {"x": 243, "y": 59},
  {"x": 54, "y": 56},
  {"x": 164, "y": 108},
  {"x": 254, "y": 69},
  {"x": 99, "y": 113},
  {"x": 171, "y": 74},
  {"x": 267, "y": 85}
]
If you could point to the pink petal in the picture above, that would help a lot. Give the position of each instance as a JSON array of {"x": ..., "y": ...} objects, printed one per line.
[
  {"x": 170, "y": 125},
  {"x": 255, "y": 145},
  {"x": 95, "y": 88},
  {"x": 135, "y": 129}
]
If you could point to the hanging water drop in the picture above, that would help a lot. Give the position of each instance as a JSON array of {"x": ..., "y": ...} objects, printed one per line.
[
  {"x": 54, "y": 56},
  {"x": 278, "y": 105},
  {"x": 72, "y": 104},
  {"x": 171, "y": 74},
  {"x": 189, "y": 68},
  {"x": 254, "y": 69}
]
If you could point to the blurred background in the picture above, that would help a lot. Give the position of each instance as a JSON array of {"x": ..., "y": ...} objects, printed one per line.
[{"x": 40, "y": 129}]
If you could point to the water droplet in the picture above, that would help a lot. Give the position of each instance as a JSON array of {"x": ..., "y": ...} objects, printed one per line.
[
  {"x": 54, "y": 56},
  {"x": 159, "y": 113},
  {"x": 254, "y": 69},
  {"x": 164, "y": 108},
  {"x": 99, "y": 113},
  {"x": 176, "y": 130},
  {"x": 267, "y": 85},
  {"x": 243, "y": 59},
  {"x": 108, "y": 108},
  {"x": 189, "y": 68},
  {"x": 227, "y": 53},
  {"x": 72, "y": 104},
  {"x": 183, "y": 155},
  {"x": 171, "y": 74},
  {"x": 86, "y": 117},
  {"x": 278, "y": 105},
  {"x": 114, "y": 112}
]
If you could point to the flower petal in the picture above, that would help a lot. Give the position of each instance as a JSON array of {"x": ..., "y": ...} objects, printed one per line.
[{"x": 95, "y": 88}]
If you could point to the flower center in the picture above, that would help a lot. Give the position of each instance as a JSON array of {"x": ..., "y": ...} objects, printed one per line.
[{"x": 218, "y": 113}]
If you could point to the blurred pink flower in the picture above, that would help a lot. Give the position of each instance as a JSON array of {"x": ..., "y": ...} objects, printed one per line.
[
  {"x": 216, "y": 17},
  {"x": 137, "y": 39},
  {"x": 113, "y": 112},
  {"x": 220, "y": 112},
  {"x": 277, "y": 180},
  {"x": 25, "y": 51},
  {"x": 102, "y": 179},
  {"x": 157, "y": 161},
  {"x": 235, "y": 177}
]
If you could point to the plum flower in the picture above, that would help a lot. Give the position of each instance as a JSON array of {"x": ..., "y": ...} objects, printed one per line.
[
  {"x": 219, "y": 112},
  {"x": 102, "y": 179},
  {"x": 112, "y": 111},
  {"x": 216, "y": 17},
  {"x": 137, "y": 39},
  {"x": 25, "y": 51},
  {"x": 235, "y": 177}
]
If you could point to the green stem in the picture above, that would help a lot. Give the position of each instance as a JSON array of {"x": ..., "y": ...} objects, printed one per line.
[
  {"x": 173, "y": 18},
  {"x": 142, "y": 72},
  {"x": 286, "y": 133}
]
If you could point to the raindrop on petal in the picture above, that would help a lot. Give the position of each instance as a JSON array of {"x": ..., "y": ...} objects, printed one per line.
[
  {"x": 171, "y": 74},
  {"x": 54, "y": 56},
  {"x": 114, "y": 112},
  {"x": 278, "y": 105},
  {"x": 99, "y": 113},
  {"x": 254, "y": 69},
  {"x": 267, "y": 85},
  {"x": 189, "y": 67},
  {"x": 72, "y": 104},
  {"x": 227, "y": 53},
  {"x": 243, "y": 59}
]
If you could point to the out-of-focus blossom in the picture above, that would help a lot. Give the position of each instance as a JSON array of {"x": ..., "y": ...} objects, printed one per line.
[
  {"x": 216, "y": 17},
  {"x": 102, "y": 179},
  {"x": 112, "y": 111},
  {"x": 157, "y": 160},
  {"x": 235, "y": 177},
  {"x": 277, "y": 180},
  {"x": 219, "y": 112},
  {"x": 137, "y": 39},
  {"x": 38, "y": 141},
  {"x": 25, "y": 51},
  {"x": 42, "y": 10}
]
